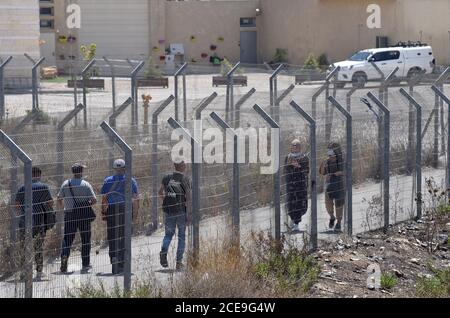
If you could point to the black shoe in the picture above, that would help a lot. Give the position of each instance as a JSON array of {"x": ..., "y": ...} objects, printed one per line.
[
  {"x": 338, "y": 226},
  {"x": 86, "y": 269},
  {"x": 331, "y": 224},
  {"x": 163, "y": 259},
  {"x": 179, "y": 266},
  {"x": 64, "y": 264}
]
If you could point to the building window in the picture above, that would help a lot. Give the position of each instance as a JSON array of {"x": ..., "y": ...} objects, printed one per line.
[
  {"x": 47, "y": 24},
  {"x": 248, "y": 22},
  {"x": 46, "y": 11}
]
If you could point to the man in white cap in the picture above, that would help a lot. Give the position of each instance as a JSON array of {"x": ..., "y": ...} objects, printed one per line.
[
  {"x": 79, "y": 197},
  {"x": 113, "y": 211},
  {"x": 296, "y": 171}
]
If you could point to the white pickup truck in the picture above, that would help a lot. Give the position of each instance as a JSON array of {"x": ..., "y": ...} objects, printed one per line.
[{"x": 358, "y": 69}]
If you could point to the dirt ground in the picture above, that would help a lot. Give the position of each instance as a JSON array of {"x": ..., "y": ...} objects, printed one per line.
[{"x": 401, "y": 252}]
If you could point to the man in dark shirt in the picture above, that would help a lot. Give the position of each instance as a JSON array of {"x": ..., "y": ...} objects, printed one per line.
[
  {"x": 333, "y": 170},
  {"x": 177, "y": 186},
  {"x": 296, "y": 171},
  {"x": 42, "y": 202}
]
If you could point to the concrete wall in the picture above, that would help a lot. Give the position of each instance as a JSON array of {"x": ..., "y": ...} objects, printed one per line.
[
  {"x": 119, "y": 28},
  {"x": 19, "y": 34},
  {"x": 335, "y": 27},
  {"x": 338, "y": 27},
  {"x": 207, "y": 21}
]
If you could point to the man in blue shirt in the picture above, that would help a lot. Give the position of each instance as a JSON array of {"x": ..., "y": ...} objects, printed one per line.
[
  {"x": 42, "y": 203},
  {"x": 113, "y": 211}
]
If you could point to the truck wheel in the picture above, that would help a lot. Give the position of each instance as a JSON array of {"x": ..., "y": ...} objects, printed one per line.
[
  {"x": 414, "y": 72},
  {"x": 359, "y": 80}
]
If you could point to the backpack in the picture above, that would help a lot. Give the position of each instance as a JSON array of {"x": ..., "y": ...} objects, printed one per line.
[{"x": 175, "y": 198}]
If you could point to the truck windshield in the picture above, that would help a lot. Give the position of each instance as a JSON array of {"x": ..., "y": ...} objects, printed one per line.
[{"x": 360, "y": 56}]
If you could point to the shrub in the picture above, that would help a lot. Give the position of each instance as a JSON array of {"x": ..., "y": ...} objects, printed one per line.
[
  {"x": 435, "y": 287},
  {"x": 280, "y": 56},
  {"x": 388, "y": 281},
  {"x": 290, "y": 269},
  {"x": 323, "y": 61},
  {"x": 311, "y": 62}
]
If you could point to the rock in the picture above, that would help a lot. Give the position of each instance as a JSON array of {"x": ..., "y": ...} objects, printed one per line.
[
  {"x": 398, "y": 273},
  {"x": 327, "y": 260},
  {"x": 348, "y": 246},
  {"x": 443, "y": 239},
  {"x": 354, "y": 259},
  {"x": 340, "y": 247},
  {"x": 447, "y": 226},
  {"x": 340, "y": 242},
  {"x": 395, "y": 249},
  {"x": 324, "y": 253},
  {"x": 354, "y": 253},
  {"x": 382, "y": 248},
  {"x": 388, "y": 241},
  {"x": 415, "y": 261}
]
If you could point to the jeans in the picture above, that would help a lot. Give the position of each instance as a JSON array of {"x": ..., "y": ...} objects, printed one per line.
[
  {"x": 71, "y": 226},
  {"x": 171, "y": 222}
]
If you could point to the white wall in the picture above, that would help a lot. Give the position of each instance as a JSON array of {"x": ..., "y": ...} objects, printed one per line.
[{"x": 19, "y": 34}]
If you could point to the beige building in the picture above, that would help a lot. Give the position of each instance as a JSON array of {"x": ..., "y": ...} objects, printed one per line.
[
  {"x": 247, "y": 30},
  {"x": 19, "y": 34}
]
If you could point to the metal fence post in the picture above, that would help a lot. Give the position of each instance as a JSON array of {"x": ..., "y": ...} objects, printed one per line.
[
  {"x": 384, "y": 88},
  {"x": 203, "y": 105},
  {"x": 154, "y": 163},
  {"x": 235, "y": 235},
  {"x": 113, "y": 82},
  {"x": 348, "y": 98},
  {"x": 34, "y": 79},
  {"x": 128, "y": 199},
  {"x": 273, "y": 89},
  {"x": 418, "y": 107},
  {"x": 60, "y": 163},
  {"x": 313, "y": 173},
  {"x": 134, "y": 93},
  {"x": 195, "y": 187},
  {"x": 276, "y": 177},
  {"x": 2, "y": 87},
  {"x": 440, "y": 93},
  {"x": 238, "y": 105},
  {"x": 28, "y": 209},
  {"x": 413, "y": 81},
  {"x": 84, "y": 78},
  {"x": 175, "y": 77},
  {"x": 13, "y": 173},
  {"x": 320, "y": 90},
  {"x": 229, "y": 97},
  {"x": 348, "y": 162},
  {"x": 438, "y": 83},
  {"x": 386, "y": 152}
]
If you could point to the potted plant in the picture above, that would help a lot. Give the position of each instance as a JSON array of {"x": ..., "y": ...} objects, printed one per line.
[
  {"x": 238, "y": 78},
  {"x": 153, "y": 77},
  {"x": 280, "y": 57},
  {"x": 89, "y": 52}
]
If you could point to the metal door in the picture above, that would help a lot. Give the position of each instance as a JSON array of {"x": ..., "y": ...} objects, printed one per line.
[{"x": 248, "y": 47}]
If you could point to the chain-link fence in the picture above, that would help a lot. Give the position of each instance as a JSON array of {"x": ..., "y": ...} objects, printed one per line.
[{"x": 386, "y": 141}]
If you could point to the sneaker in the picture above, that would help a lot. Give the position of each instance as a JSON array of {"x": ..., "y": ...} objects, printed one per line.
[
  {"x": 179, "y": 266},
  {"x": 40, "y": 276},
  {"x": 338, "y": 226},
  {"x": 64, "y": 264},
  {"x": 114, "y": 265},
  {"x": 163, "y": 259},
  {"x": 331, "y": 224},
  {"x": 86, "y": 269}
]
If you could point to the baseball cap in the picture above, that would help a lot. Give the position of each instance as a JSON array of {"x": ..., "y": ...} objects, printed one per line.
[
  {"x": 77, "y": 167},
  {"x": 119, "y": 163}
]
